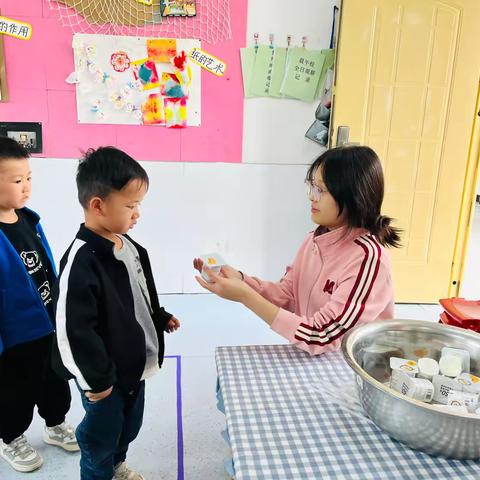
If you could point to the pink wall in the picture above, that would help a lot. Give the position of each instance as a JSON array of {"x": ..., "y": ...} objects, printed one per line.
[{"x": 36, "y": 72}]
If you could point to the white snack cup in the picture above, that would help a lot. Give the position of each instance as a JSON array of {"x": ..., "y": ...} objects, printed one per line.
[
  {"x": 450, "y": 365},
  {"x": 470, "y": 383},
  {"x": 214, "y": 262},
  {"x": 408, "y": 367},
  {"x": 442, "y": 386},
  {"x": 427, "y": 368},
  {"x": 469, "y": 400},
  {"x": 459, "y": 352},
  {"x": 417, "y": 388}
]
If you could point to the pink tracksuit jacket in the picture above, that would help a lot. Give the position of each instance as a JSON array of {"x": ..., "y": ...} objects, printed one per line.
[{"x": 338, "y": 279}]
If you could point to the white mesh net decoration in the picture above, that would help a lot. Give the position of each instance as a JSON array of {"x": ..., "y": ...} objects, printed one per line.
[{"x": 136, "y": 18}]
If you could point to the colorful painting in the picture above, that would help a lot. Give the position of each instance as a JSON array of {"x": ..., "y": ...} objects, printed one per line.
[
  {"x": 146, "y": 71},
  {"x": 152, "y": 110},
  {"x": 175, "y": 112},
  {"x": 170, "y": 86},
  {"x": 161, "y": 50},
  {"x": 183, "y": 8}
]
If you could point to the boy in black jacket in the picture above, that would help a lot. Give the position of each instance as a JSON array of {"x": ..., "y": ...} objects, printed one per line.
[{"x": 108, "y": 319}]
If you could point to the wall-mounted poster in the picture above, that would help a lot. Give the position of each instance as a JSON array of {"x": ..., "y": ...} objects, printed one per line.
[{"x": 128, "y": 80}]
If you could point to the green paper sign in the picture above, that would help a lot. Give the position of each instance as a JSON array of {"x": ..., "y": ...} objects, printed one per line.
[{"x": 304, "y": 68}]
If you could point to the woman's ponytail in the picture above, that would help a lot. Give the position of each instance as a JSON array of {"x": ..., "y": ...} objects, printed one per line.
[{"x": 387, "y": 235}]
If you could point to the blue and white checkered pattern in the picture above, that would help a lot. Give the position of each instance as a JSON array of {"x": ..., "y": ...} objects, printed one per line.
[{"x": 281, "y": 426}]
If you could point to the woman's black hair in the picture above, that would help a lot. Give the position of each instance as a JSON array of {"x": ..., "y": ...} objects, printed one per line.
[
  {"x": 354, "y": 177},
  {"x": 105, "y": 170}
]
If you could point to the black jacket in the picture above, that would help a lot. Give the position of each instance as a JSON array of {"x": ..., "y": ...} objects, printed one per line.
[{"x": 98, "y": 339}]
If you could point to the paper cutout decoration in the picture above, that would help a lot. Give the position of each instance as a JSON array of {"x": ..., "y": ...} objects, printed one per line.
[
  {"x": 118, "y": 100},
  {"x": 183, "y": 72},
  {"x": 182, "y": 8},
  {"x": 146, "y": 71},
  {"x": 15, "y": 28},
  {"x": 72, "y": 79},
  {"x": 120, "y": 61},
  {"x": 303, "y": 73},
  {"x": 170, "y": 86},
  {"x": 175, "y": 112},
  {"x": 152, "y": 110},
  {"x": 161, "y": 50},
  {"x": 208, "y": 62}
]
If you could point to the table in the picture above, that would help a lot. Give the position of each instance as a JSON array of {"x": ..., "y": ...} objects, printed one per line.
[{"x": 284, "y": 423}]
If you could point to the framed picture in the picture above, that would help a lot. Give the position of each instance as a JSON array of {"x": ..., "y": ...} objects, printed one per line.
[
  {"x": 27, "y": 134},
  {"x": 178, "y": 8}
]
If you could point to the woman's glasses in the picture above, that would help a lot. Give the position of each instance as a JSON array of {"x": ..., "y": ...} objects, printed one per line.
[{"x": 314, "y": 191}]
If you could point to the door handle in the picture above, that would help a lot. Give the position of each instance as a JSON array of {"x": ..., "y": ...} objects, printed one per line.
[{"x": 343, "y": 134}]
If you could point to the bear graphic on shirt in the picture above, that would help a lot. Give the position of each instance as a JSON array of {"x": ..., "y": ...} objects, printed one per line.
[{"x": 30, "y": 259}]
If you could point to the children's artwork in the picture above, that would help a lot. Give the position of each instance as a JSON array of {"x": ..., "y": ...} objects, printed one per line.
[
  {"x": 121, "y": 80},
  {"x": 152, "y": 110},
  {"x": 303, "y": 73},
  {"x": 183, "y": 8},
  {"x": 146, "y": 71},
  {"x": 175, "y": 112},
  {"x": 120, "y": 61},
  {"x": 161, "y": 50},
  {"x": 171, "y": 86}
]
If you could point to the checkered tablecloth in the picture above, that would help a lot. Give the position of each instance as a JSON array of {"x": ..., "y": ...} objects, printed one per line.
[{"x": 282, "y": 426}]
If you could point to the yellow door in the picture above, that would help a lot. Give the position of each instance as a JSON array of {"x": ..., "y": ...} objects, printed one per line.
[{"x": 406, "y": 84}]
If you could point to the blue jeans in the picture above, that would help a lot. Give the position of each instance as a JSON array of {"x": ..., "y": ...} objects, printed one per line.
[{"x": 107, "y": 429}]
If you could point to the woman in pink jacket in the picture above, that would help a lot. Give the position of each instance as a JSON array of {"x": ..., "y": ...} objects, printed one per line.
[{"x": 341, "y": 275}]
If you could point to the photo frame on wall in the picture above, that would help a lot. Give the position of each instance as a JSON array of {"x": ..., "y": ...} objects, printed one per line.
[{"x": 27, "y": 134}]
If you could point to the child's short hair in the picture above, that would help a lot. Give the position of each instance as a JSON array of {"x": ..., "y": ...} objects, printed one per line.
[
  {"x": 105, "y": 170},
  {"x": 354, "y": 177},
  {"x": 9, "y": 148}
]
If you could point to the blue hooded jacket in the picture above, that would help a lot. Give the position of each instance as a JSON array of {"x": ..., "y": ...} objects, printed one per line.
[{"x": 23, "y": 316}]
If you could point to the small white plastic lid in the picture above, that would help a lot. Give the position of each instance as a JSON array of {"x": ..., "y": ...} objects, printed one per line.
[
  {"x": 428, "y": 366},
  {"x": 450, "y": 365}
]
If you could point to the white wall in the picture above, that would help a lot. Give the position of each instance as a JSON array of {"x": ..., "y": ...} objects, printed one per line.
[
  {"x": 275, "y": 128},
  {"x": 255, "y": 214}
]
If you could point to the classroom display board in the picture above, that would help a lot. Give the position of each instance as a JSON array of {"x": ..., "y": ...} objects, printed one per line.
[
  {"x": 136, "y": 81},
  {"x": 36, "y": 73}
]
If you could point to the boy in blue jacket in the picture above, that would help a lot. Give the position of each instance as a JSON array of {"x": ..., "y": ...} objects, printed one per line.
[{"x": 27, "y": 273}]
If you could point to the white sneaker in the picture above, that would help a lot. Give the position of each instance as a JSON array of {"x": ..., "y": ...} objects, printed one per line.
[
  {"x": 122, "y": 472},
  {"x": 21, "y": 455},
  {"x": 63, "y": 436}
]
